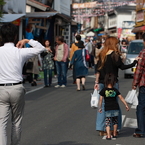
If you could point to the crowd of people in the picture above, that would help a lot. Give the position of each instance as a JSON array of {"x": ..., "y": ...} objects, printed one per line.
[{"x": 105, "y": 57}]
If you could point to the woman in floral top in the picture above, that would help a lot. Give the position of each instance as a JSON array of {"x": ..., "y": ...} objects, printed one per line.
[{"x": 47, "y": 63}]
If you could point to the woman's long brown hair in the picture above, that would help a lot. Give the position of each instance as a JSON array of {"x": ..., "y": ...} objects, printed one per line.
[{"x": 110, "y": 44}]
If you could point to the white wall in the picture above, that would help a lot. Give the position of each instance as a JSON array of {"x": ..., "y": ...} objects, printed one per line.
[
  {"x": 123, "y": 17},
  {"x": 62, "y": 6}
]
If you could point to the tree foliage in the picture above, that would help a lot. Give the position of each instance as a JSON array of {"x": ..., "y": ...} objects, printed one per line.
[{"x": 2, "y": 2}]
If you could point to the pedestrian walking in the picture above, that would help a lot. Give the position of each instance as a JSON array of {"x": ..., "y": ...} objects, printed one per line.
[
  {"x": 110, "y": 95},
  {"x": 80, "y": 67},
  {"x": 61, "y": 57},
  {"x": 12, "y": 90},
  {"x": 74, "y": 47},
  {"x": 88, "y": 47},
  {"x": 139, "y": 81},
  {"x": 47, "y": 63},
  {"x": 109, "y": 62}
]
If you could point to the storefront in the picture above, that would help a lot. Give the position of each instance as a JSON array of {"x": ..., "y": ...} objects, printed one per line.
[
  {"x": 13, "y": 12},
  {"x": 139, "y": 27}
]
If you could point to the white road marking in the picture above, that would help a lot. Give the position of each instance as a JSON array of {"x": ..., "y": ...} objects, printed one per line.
[
  {"x": 104, "y": 137},
  {"x": 130, "y": 122},
  {"x": 33, "y": 90},
  {"x": 91, "y": 76},
  {"x": 42, "y": 86}
]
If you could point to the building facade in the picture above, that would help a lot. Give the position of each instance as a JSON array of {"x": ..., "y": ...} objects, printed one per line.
[{"x": 119, "y": 22}]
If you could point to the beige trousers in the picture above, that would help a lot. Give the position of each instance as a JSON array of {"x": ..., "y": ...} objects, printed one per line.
[{"x": 11, "y": 99}]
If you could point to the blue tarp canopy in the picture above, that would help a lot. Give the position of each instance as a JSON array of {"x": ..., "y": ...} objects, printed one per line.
[
  {"x": 101, "y": 34},
  {"x": 10, "y": 17}
]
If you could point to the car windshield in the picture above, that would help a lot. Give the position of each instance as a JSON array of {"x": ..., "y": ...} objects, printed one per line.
[{"x": 135, "y": 47}]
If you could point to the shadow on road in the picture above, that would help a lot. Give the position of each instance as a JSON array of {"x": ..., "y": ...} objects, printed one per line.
[{"x": 69, "y": 143}]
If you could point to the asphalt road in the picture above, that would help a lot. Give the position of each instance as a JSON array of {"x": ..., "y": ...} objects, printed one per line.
[{"x": 63, "y": 116}]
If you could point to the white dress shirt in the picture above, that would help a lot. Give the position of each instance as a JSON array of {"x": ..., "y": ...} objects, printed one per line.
[{"x": 12, "y": 60}]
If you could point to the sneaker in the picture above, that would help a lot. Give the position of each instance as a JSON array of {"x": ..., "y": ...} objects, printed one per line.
[
  {"x": 63, "y": 86},
  {"x": 57, "y": 86},
  {"x": 114, "y": 137}
]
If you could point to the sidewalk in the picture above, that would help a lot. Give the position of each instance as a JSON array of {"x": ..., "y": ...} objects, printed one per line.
[{"x": 40, "y": 84}]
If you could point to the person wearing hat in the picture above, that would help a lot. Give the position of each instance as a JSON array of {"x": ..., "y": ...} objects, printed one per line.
[
  {"x": 74, "y": 47},
  {"x": 80, "y": 67}
]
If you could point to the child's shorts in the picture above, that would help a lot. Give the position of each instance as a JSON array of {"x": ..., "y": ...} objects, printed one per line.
[{"x": 112, "y": 113}]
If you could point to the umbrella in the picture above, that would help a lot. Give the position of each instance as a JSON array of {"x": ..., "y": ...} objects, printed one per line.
[{"x": 90, "y": 34}]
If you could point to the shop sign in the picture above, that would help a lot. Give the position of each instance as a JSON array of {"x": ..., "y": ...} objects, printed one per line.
[
  {"x": 139, "y": 4},
  {"x": 139, "y": 16},
  {"x": 17, "y": 22},
  {"x": 84, "y": 5},
  {"x": 112, "y": 22},
  {"x": 128, "y": 24}
]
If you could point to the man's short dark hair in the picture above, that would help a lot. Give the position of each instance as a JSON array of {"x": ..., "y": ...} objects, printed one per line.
[
  {"x": 60, "y": 38},
  {"x": 78, "y": 37},
  {"x": 143, "y": 37},
  {"x": 8, "y": 33}
]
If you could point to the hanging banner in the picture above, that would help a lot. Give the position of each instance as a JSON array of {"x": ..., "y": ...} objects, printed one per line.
[
  {"x": 119, "y": 31},
  {"x": 84, "y": 5}
]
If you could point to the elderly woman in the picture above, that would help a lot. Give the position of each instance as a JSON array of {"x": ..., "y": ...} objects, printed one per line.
[{"x": 80, "y": 64}]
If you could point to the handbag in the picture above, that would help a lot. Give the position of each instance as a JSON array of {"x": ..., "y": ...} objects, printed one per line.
[
  {"x": 43, "y": 54},
  {"x": 95, "y": 99},
  {"x": 87, "y": 55},
  {"x": 29, "y": 65},
  {"x": 130, "y": 96}
]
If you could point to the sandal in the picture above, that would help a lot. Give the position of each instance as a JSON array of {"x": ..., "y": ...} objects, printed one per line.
[
  {"x": 108, "y": 138},
  {"x": 137, "y": 135}
]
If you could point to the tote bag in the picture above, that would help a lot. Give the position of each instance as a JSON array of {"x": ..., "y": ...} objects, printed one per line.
[
  {"x": 94, "y": 99},
  {"x": 130, "y": 96}
]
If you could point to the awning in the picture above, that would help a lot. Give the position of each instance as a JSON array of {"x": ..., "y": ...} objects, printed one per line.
[
  {"x": 65, "y": 17},
  {"x": 98, "y": 29},
  {"x": 74, "y": 23},
  {"x": 40, "y": 14},
  {"x": 37, "y": 5},
  {"x": 138, "y": 29},
  {"x": 10, "y": 17}
]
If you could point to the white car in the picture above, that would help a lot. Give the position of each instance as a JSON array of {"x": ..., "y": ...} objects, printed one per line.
[{"x": 133, "y": 51}]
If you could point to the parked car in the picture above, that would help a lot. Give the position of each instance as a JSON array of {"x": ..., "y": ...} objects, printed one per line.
[{"x": 133, "y": 51}]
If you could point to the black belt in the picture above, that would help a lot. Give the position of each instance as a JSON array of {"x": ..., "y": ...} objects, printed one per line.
[{"x": 10, "y": 84}]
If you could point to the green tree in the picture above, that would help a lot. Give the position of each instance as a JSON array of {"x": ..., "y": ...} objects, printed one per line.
[{"x": 2, "y": 2}]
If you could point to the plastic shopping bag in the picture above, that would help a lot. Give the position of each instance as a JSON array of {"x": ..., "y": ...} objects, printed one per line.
[
  {"x": 94, "y": 99},
  {"x": 135, "y": 100},
  {"x": 130, "y": 96}
]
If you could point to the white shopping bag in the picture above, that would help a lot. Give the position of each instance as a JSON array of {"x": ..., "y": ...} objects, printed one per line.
[
  {"x": 94, "y": 99},
  {"x": 135, "y": 100},
  {"x": 130, "y": 96}
]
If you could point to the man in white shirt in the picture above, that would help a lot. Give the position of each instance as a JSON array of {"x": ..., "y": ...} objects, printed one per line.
[{"x": 12, "y": 90}]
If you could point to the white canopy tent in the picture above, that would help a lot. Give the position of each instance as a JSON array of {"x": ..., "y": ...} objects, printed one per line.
[{"x": 90, "y": 33}]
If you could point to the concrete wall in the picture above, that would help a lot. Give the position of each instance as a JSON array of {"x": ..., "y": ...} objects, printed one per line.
[{"x": 15, "y": 6}]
